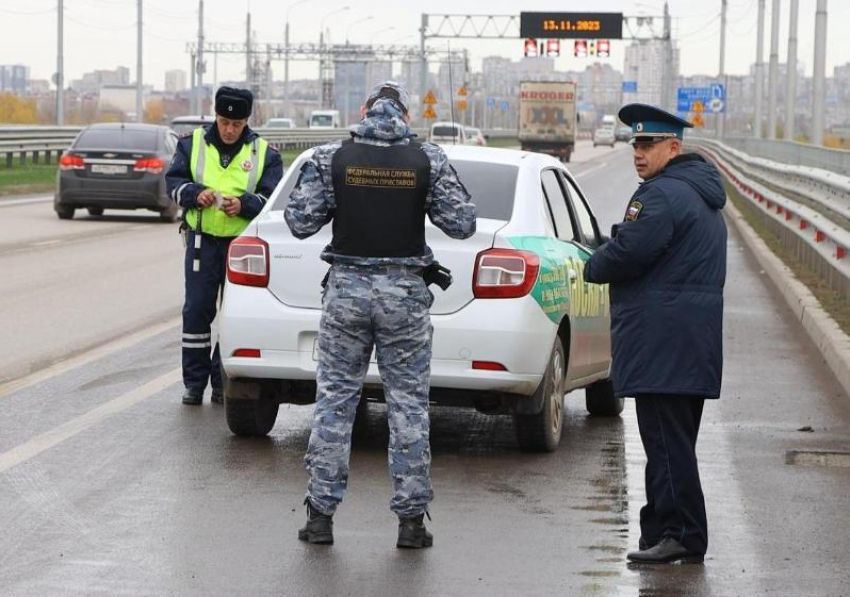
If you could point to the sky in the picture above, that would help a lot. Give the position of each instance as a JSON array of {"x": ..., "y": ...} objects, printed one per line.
[{"x": 101, "y": 34}]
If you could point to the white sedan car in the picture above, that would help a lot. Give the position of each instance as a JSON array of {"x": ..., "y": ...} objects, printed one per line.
[{"x": 516, "y": 331}]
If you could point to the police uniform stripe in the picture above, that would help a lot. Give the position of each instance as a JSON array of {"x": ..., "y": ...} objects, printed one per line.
[
  {"x": 255, "y": 168},
  {"x": 198, "y": 345},
  {"x": 178, "y": 192},
  {"x": 202, "y": 152},
  {"x": 197, "y": 336}
]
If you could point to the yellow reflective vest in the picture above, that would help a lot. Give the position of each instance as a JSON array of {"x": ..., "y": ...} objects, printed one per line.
[{"x": 241, "y": 176}]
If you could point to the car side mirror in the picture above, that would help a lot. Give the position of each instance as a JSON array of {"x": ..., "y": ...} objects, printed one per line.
[{"x": 486, "y": 137}]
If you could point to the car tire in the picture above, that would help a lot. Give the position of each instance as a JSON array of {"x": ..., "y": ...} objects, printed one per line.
[
  {"x": 541, "y": 432},
  {"x": 65, "y": 213},
  {"x": 250, "y": 410},
  {"x": 95, "y": 211},
  {"x": 600, "y": 400},
  {"x": 169, "y": 214}
]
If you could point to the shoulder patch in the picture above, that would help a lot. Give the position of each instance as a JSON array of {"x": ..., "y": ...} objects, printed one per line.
[{"x": 633, "y": 211}]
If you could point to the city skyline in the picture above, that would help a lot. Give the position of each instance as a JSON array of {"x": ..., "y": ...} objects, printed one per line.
[{"x": 101, "y": 34}]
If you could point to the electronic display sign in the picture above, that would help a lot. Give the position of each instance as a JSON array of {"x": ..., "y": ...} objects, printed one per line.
[{"x": 571, "y": 25}]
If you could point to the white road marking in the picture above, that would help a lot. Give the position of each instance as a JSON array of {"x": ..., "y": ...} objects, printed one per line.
[
  {"x": 47, "y": 243},
  {"x": 589, "y": 170},
  {"x": 77, "y": 425},
  {"x": 10, "y": 202},
  {"x": 88, "y": 357}
]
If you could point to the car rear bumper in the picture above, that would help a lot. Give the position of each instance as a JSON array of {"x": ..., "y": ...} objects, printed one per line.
[
  {"x": 147, "y": 192},
  {"x": 286, "y": 336}
]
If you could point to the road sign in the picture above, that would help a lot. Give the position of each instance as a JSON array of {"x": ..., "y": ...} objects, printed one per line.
[
  {"x": 491, "y": 102},
  {"x": 697, "y": 121},
  {"x": 462, "y": 91},
  {"x": 430, "y": 99},
  {"x": 712, "y": 98},
  {"x": 571, "y": 25},
  {"x": 629, "y": 86},
  {"x": 429, "y": 113},
  {"x": 504, "y": 106},
  {"x": 697, "y": 106},
  {"x": 462, "y": 105}
]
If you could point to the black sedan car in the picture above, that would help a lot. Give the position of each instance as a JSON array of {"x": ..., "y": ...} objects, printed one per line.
[{"x": 116, "y": 166}]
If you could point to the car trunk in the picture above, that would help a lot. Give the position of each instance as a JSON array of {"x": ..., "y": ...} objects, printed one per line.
[
  {"x": 103, "y": 164},
  {"x": 298, "y": 260}
]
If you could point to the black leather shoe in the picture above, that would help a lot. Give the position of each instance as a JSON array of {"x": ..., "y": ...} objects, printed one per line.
[
  {"x": 412, "y": 533},
  {"x": 193, "y": 396},
  {"x": 319, "y": 529},
  {"x": 667, "y": 551},
  {"x": 217, "y": 396}
]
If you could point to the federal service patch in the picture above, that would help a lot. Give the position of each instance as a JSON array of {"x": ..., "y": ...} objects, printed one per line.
[{"x": 633, "y": 211}]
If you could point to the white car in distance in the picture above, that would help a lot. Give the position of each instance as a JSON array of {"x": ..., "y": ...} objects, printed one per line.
[{"x": 516, "y": 331}]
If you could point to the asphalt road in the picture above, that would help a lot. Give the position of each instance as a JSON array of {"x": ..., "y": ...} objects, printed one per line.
[{"x": 108, "y": 486}]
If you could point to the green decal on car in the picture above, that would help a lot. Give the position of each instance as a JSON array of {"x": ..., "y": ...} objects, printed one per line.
[{"x": 560, "y": 286}]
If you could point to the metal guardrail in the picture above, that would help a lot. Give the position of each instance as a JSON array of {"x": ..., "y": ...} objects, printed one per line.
[
  {"x": 791, "y": 152},
  {"x": 50, "y": 142},
  {"x": 818, "y": 241}
]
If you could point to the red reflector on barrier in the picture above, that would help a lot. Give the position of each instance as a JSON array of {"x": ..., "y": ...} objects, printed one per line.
[
  {"x": 820, "y": 236},
  {"x": 788, "y": 215},
  {"x": 488, "y": 366},
  {"x": 250, "y": 353},
  {"x": 803, "y": 224},
  {"x": 840, "y": 252}
]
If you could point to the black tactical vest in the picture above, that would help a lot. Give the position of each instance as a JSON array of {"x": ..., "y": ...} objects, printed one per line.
[{"x": 380, "y": 199}]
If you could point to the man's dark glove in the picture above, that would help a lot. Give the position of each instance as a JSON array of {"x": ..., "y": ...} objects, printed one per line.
[{"x": 437, "y": 274}]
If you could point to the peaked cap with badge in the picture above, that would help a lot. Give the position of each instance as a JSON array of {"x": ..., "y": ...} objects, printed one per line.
[
  {"x": 650, "y": 124},
  {"x": 233, "y": 103}
]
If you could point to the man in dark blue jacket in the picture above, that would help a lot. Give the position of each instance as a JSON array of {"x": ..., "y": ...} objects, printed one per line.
[
  {"x": 221, "y": 176},
  {"x": 666, "y": 266}
]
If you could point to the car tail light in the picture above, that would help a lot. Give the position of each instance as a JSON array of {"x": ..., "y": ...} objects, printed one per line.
[
  {"x": 488, "y": 366},
  {"x": 71, "y": 162},
  {"x": 152, "y": 165},
  {"x": 250, "y": 353},
  {"x": 248, "y": 262},
  {"x": 504, "y": 273}
]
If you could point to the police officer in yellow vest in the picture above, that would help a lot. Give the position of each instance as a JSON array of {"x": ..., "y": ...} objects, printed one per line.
[{"x": 221, "y": 176}]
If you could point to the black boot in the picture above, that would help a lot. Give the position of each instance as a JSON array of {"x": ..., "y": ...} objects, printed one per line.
[
  {"x": 217, "y": 396},
  {"x": 193, "y": 396},
  {"x": 319, "y": 529},
  {"x": 412, "y": 533},
  {"x": 667, "y": 551}
]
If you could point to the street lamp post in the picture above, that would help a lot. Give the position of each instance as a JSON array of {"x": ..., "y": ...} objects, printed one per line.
[
  {"x": 322, "y": 57},
  {"x": 357, "y": 22},
  {"x": 286, "y": 45}
]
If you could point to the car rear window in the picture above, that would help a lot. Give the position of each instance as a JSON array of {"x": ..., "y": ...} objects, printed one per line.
[
  {"x": 445, "y": 131},
  {"x": 117, "y": 139},
  {"x": 492, "y": 187}
]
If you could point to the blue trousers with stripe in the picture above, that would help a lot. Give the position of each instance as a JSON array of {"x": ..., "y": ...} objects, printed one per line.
[
  {"x": 675, "y": 506},
  {"x": 201, "y": 359}
]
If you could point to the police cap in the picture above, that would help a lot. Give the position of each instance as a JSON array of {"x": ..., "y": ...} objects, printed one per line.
[
  {"x": 392, "y": 91},
  {"x": 233, "y": 103},
  {"x": 650, "y": 124}
]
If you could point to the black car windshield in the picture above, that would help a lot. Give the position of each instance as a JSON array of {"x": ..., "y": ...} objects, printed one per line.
[
  {"x": 117, "y": 138},
  {"x": 492, "y": 187},
  {"x": 322, "y": 120},
  {"x": 445, "y": 131}
]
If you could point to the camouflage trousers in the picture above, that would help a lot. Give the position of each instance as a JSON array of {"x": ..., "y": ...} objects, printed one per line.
[{"x": 385, "y": 307}]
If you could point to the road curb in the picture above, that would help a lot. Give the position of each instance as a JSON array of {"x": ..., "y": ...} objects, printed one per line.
[{"x": 831, "y": 341}]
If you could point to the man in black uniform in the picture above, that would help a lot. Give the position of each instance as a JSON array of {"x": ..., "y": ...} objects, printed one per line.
[
  {"x": 221, "y": 176},
  {"x": 666, "y": 266}
]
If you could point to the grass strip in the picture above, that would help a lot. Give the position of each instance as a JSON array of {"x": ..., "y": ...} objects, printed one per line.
[{"x": 832, "y": 301}]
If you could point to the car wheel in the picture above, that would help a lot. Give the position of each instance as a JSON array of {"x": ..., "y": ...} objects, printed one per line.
[
  {"x": 65, "y": 213},
  {"x": 541, "y": 432},
  {"x": 95, "y": 211},
  {"x": 600, "y": 400},
  {"x": 169, "y": 214},
  {"x": 249, "y": 409}
]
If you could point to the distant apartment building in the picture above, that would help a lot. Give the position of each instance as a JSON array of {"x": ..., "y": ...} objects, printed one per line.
[
  {"x": 14, "y": 78},
  {"x": 352, "y": 83},
  {"x": 644, "y": 68},
  {"x": 94, "y": 80},
  {"x": 175, "y": 81}
]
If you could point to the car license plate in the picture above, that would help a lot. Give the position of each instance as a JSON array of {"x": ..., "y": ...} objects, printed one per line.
[{"x": 108, "y": 169}]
